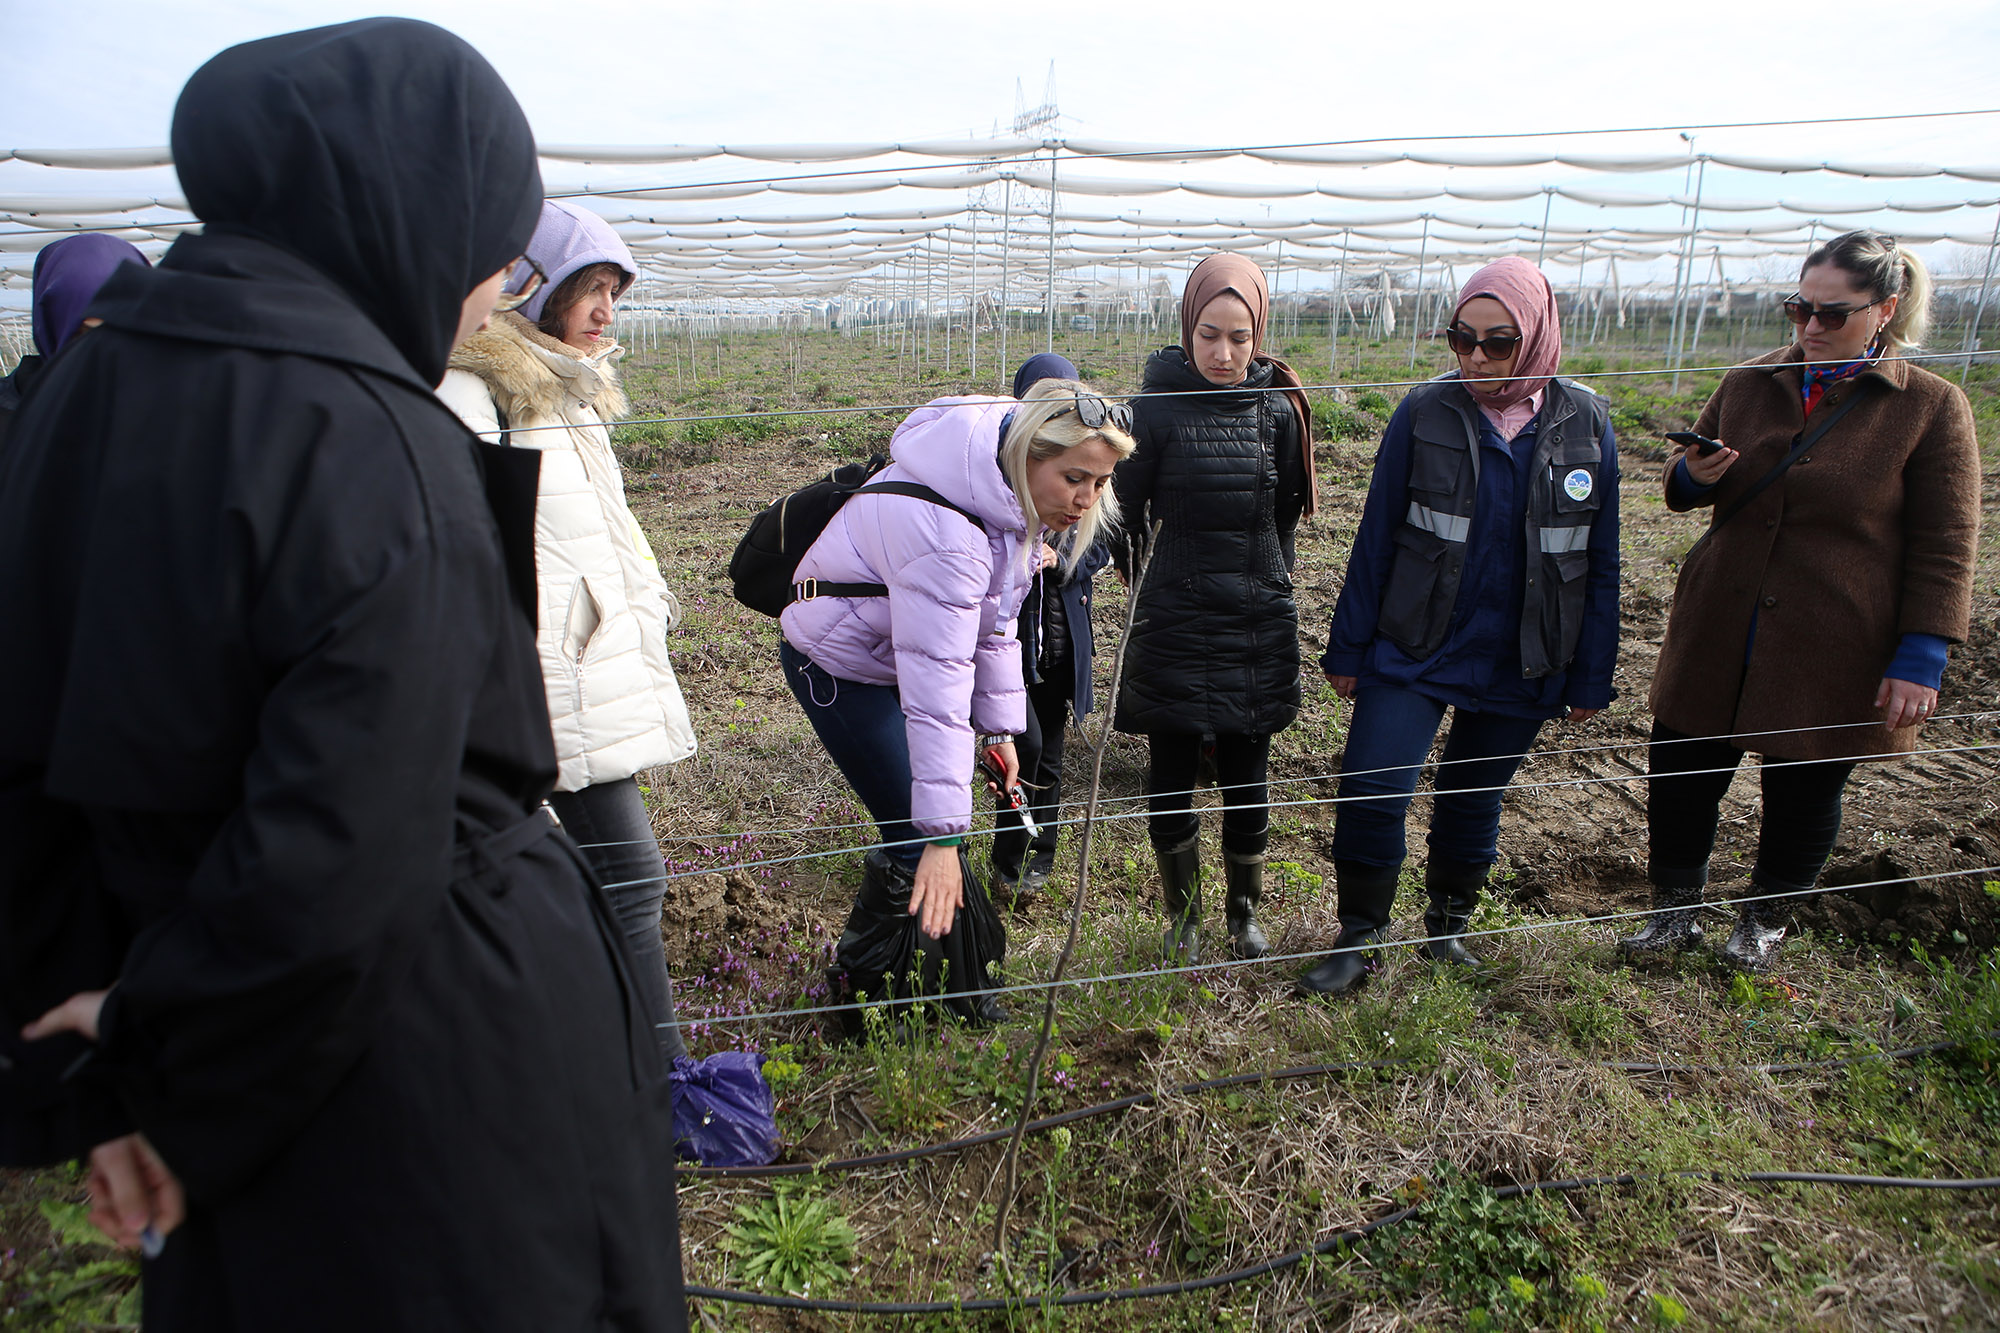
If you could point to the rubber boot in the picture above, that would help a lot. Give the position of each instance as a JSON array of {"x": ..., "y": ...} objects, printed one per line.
[
  {"x": 1674, "y": 925},
  {"x": 1246, "y": 890},
  {"x": 1760, "y": 930},
  {"x": 1180, "y": 888},
  {"x": 1367, "y": 896},
  {"x": 1454, "y": 891}
]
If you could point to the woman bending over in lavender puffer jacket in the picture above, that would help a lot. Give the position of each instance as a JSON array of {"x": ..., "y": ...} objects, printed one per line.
[{"x": 896, "y": 685}]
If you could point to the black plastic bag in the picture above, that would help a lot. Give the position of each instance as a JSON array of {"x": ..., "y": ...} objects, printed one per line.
[{"x": 883, "y": 956}]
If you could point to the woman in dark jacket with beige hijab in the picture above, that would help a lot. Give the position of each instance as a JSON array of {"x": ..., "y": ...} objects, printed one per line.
[
  {"x": 1810, "y": 625},
  {"x": 1224, "y": 464}
]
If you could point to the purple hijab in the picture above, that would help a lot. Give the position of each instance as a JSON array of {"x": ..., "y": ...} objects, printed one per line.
[{"x": 67, "y": 276}]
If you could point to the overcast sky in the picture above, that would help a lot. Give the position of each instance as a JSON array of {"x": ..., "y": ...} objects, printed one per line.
[
  {"x": 105, "y": 74},
  {"x": 618, "y": 71}
]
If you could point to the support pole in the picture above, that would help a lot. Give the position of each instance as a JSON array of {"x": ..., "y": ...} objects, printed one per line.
[
  {"x": 974, "y": 304},
  {"x": 1582, "y": 263},
  {"x": 1680, "y": 302},
  {"x": 1548, "y": 197},
  {"x": 1006, "y": 264},
  {"x": 1979, "y": 310},
  {"x": 1051, "y": 310},
  {"x": 1339, "y": 304},
  {"x": 1277, "y": 281},
  {"x": 1701, "y": 310},
  {"x": 1417, "y": 312}
]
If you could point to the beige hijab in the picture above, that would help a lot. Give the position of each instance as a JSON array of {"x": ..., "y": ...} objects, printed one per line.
[{"x": 1232, "y": 274}]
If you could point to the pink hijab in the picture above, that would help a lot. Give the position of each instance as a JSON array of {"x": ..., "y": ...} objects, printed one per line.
[
  {"x": 1232, "y": 274},
  {"x": 1520, "y": 286}
]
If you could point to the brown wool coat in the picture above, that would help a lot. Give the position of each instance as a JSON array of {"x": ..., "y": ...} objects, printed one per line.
[{"x": 1870, "y": 535}]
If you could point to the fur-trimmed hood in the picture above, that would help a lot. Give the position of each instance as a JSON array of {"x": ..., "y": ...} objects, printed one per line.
[{"x": 531, "y": 373}]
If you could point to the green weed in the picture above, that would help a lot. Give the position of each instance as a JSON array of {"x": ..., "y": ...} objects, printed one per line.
[
  {"x": 86, "y": 1283},
  {"x": 793, "y": 1242}
]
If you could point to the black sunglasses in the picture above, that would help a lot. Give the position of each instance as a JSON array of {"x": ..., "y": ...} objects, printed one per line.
[
  {"x": 529, "y": 286},
  {"x": 1094, "y": 412},
  {"x": 1830, "y": 318},
  {"x": 1498, "y": 346}
]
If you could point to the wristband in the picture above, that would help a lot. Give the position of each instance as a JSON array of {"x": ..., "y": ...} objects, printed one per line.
[{"x": 955, "y": 840}]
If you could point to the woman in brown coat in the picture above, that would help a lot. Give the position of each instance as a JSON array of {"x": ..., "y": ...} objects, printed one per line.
[{"x": 1810, "y": 624}]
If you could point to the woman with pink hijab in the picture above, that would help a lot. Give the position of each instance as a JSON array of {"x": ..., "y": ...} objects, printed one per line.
[{"x": 1484, "y": 580}]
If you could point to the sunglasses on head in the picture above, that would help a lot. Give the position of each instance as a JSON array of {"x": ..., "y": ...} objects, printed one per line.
[
  {"x": 1497, "y": 346},
  {"x": 1094, "y": 412},
  {"x": 532, "y": 284},
  {"x": 1830, "y": 317}
]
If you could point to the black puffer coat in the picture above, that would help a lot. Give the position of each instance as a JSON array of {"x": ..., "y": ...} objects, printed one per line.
[{"x": 1216, "y": 646}]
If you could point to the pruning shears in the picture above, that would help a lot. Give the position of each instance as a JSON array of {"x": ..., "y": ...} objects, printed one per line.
[{"x": 996, "y": 772}]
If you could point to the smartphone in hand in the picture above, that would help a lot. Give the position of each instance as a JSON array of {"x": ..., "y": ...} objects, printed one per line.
[{"x": 1701, "y": 444}]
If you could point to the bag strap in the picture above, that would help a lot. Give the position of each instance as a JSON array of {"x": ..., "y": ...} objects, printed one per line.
[
  {"x": 807, "y": 589},
  {"x": 918, "y": 491},
  {"x": 1800, "y": 443}
]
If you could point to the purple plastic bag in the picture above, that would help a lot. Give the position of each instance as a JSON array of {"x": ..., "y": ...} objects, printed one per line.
[{"x": 724, "y": 1113}]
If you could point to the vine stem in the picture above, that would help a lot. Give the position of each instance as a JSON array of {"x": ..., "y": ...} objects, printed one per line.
[{"x": 1012, "y": 1158}]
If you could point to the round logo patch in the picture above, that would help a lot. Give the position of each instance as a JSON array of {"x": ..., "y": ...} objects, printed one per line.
[{"x": 1577, "y": 484}]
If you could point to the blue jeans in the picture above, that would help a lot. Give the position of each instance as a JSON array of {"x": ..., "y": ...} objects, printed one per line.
[
  {"x": 863, "y": 730},
  {"x": 1387, "y": 744}
]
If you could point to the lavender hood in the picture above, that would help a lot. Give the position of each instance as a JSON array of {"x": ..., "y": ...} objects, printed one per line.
[{"x": 944, "y": 636}]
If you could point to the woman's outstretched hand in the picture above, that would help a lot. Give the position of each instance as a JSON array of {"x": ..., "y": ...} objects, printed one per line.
[
  {"x": 1342, "y": 685},
  {"x": 939, "y": 892}
]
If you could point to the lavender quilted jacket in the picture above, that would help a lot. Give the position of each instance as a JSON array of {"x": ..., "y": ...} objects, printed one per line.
[{"x": 944, "y": 636}]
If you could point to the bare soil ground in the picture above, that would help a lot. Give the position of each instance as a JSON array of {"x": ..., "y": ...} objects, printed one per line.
[
  {"x": 1150, "y": 1200},
  {"x": 1481, "y": 1081},
  {"x": 1573, "y": 836}
]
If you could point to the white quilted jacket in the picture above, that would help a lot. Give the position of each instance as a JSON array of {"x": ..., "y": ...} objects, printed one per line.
[{"x": 614, "y": 703}]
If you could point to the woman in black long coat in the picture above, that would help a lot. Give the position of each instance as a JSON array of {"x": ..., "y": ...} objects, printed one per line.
[
  {"x": 272, "y": 773},
  {"x": 1215, "y": 650}
]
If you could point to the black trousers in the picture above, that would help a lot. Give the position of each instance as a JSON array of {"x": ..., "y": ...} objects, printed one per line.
[
  {"x": 1687, "y": 779},
  {"x": 1040, "y": 749},
  {"x": 1242, "y": 769}
]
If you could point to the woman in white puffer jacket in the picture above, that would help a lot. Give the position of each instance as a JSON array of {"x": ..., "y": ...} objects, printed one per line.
[{"x": 543, "y": 378}]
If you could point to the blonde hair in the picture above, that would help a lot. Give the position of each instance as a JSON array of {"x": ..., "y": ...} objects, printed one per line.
[
  {"x": 1044, "y": 426},
  {"x": 1883, "y": 269}
]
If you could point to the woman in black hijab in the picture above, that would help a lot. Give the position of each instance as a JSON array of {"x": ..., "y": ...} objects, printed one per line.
[{"x": 273, "y": 777}]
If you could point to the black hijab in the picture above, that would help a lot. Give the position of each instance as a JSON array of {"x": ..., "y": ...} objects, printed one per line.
[{"x": 386, "y": 152}]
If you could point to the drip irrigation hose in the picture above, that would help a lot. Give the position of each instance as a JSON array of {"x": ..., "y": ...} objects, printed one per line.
[{"x": 1339, "y": 1238}]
